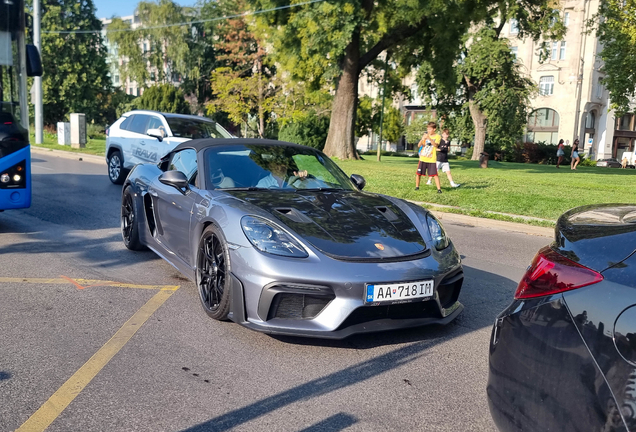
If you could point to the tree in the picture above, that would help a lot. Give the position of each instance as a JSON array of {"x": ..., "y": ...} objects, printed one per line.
[
  {"x": 164, "y": 98},
  {"x": 240, "y": 97},
  {"x": 155, "y": 51},
  {"x": 617, "y": 33},
  {"x": 75, "y": 75},
  {"x": 330, "y": 44},
  {"x": 310, "y": 131},
  {"x": 487, "y": 80}
]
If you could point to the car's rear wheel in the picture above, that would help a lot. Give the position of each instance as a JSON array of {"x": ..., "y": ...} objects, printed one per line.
[
  {"x": 115, "y": 168},
  {"x": 213, "y": 273},
  {"x": 130, "y": 221}
]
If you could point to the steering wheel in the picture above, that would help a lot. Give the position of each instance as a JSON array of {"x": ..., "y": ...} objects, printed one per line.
[{"x": 293, "y": 179}]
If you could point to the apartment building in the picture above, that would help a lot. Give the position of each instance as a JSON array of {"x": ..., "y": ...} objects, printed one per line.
[
  {"x": 572, "y": 103},
  {"x": 115, "y": 61}
]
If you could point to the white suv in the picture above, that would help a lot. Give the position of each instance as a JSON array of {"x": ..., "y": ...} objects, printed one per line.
[{"x": 146, "y": 136}]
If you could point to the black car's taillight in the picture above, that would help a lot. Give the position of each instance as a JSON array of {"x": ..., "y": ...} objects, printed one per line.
[{"x": 552, "y": 273}]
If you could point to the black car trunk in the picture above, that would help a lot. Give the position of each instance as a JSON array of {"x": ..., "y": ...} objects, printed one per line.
[
  {"x": 343, "y": 224},
  {"x": 597, "y": 236}
]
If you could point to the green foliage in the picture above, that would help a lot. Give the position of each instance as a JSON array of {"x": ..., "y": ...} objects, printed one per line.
[
  {"x": 310, "y": 131},
  {"x": 393, "y": 124},
  {"x": 163, "y": 98},
  {"x": 154, "y": 52},
  {"x": 368, "y": 119},
  {"x": 417, "y": 128},
  {"x": 95, "y": 131},
  {"x": 617, "y": 33},
  {"x": 75, "y": 75}
]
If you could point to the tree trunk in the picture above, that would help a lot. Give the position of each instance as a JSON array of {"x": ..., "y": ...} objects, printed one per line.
[
  {"x": 261, "y": 112},
  {"x": 340, "y": 140},
  {"x": 479, "y": 120}
]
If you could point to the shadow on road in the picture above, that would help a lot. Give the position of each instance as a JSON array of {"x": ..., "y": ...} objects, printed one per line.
[{"x": 484, "y": 294}]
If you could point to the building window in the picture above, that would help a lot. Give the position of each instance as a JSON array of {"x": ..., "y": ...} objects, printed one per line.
[
  {"x": 562, "y": 52},
  {"x": 555, "y": 48},
  {"x": 514, "y": 51},
  {"x": 543, "y": 126},
  {"x": 566, "y": 19},
  {"x": 116, "y": 79},
  {"x": 145, "y": 47},
  {"x": 625, "y": 123},
  {"x": 153, "y": 76},
  {"x": 514, "y": 26},
  {"x": 546, "y": 85},
  {"x": 590, "y": 120},
  {"x": 599, "y": 89},
  {"x": 130, "y": 91}
]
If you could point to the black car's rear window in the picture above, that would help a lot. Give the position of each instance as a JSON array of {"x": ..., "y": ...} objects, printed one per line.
[{"x": 194, "y": 128}]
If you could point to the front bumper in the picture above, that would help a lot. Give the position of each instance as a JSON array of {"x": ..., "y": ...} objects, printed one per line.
[{"x": 324, "y": 298}]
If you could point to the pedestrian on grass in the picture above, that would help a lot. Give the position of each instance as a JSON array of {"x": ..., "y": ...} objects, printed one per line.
[
  {"x": 560, "y": 152},
  {"x": 575, "y": 155},
  {"x": 427, "y": 151},
  {"x": 442, "y": 159}
]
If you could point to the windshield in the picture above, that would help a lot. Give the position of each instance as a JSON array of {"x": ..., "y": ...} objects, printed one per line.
[
  {"x": 13, "y": 110},
  {"x": 194, "y": 128},
  {"x": 276, "y": 167}
]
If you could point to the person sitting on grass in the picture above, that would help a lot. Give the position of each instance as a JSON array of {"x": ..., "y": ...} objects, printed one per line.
[
  {"x": 442, "y": 159},
  {"x": 427, "y": 150}
]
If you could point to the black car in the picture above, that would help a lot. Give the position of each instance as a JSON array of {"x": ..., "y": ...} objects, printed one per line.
[{"x": 563, "y": 354}]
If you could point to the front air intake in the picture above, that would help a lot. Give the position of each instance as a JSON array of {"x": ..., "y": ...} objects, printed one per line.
[{"x": 298, "y": 306}]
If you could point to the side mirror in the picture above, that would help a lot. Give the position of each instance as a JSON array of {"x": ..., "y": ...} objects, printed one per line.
[
  {"x": 358, "y": 180},
  {"x": 34, "y": 63},
  {"x": 155, "y": 133},
  {"x": 176, "y": 179}
]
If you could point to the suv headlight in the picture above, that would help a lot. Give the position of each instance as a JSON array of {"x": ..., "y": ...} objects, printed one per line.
[
  {"x": 440, "y": 239},
  {"x": 267, "y": 237}
]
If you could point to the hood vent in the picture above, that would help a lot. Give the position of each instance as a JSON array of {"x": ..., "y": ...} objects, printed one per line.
[
  {"x": 294, "y": 215},
  {"x": 388, "y": 213}
]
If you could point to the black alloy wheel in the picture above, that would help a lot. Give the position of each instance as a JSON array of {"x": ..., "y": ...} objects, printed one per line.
[
  {"x": 129, "y": 221},
  {"x": 115, "y": 168},
  {"x": 213, "y": 274}
]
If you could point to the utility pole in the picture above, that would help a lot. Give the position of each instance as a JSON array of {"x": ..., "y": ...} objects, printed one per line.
[
  {"x": 39, "y": 122},
  {"x": 386, "y": 67}
]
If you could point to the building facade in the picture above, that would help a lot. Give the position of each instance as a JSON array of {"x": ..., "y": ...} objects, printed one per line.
[
  {"x": 115, "y": 61},
  {"x": 572, "y": 102}
]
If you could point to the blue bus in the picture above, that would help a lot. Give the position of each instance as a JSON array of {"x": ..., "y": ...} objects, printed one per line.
[{"x": 17, "y": 61}]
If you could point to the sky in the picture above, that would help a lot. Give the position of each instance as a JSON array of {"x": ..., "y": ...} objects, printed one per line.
[{"x": 108, "y": 8}]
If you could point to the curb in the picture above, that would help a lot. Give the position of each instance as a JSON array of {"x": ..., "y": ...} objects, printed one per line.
[
  {"x": 472, "y": 221},
  {"x": 69, "y": 155}
]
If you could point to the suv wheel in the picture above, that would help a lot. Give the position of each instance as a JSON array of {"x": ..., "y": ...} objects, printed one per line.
[{"x": 116, "y": 168}]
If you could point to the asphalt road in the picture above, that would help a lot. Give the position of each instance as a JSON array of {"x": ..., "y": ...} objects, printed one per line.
[{"x": 183, "y": 371}]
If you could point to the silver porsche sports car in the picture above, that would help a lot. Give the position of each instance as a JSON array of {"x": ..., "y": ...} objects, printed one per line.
[{"x": 278, "y": 239}]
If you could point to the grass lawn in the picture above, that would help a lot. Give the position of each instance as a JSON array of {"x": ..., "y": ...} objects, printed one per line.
[
  {"x": 93, "y": 146},
  {"x": 524, "y": 189}
]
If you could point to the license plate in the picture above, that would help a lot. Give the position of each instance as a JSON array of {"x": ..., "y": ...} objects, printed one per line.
[{"x": 398, "y": 291}]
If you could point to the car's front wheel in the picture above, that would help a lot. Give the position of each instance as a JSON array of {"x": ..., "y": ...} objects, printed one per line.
[
  {"x": 130, "y": 221},
  {"x": 116, "y": 168},
  {"x": 213, "y": 273}
]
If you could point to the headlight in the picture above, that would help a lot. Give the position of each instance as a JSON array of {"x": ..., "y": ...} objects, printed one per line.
[
  {"x": 267, "y": 237},
  {"x": 440, "y": 240}
]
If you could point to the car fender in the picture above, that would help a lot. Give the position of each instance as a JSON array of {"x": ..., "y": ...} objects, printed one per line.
[{"x": 111, "y": 148}]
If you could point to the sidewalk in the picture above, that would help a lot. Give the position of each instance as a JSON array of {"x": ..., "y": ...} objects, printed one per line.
[
  {"x": 69, "y": 155},
  {"x": 451, "y": 218}
]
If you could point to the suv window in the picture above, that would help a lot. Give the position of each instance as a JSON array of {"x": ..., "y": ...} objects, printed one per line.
[
  {"x": 186, "y": 162},
  {"x": 126, "y": 123},
  {"x": 155, "y": 123},
  {"x": 194, "y": 128},
  {"x": 139, "y": 124}
]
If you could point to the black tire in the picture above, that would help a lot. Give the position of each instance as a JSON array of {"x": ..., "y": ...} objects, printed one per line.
[
  {"x": 213, "y": 273},
  {"x": 130, "y": 220},
  {"x": 116, "y": 172}
]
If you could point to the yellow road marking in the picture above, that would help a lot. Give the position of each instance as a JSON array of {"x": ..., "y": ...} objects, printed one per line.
[
  {"x": 53, "y": 407},
  {"x": 85, "y": 283}
]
